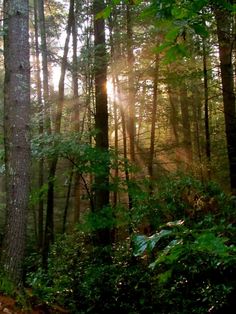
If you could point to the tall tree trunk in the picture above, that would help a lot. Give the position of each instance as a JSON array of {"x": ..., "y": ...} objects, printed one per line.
[
  {"x": 154, "y": 118},
  {"x": 76, "y": 109},
  {"x": 49, "y": 224},
  {"x": 101, "y": 115},
  {"x": 112, "y": 20},
  {"x": 206, "y": 111},
  {"x": 131, "y": 91},
  {"x": 41, "y": 127},
  {"x": 16, "y": 135},
  {"x": 44, "y": 53},
  {"x": 196, "y": 110},
  {"x": 224, "y": 24},
  {"x": 187, "y": 142}
]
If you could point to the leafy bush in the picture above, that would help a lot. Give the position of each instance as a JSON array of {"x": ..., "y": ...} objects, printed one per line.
[
  {"x": 187, "y": 265},
  {"x": 195, "y": 269}
]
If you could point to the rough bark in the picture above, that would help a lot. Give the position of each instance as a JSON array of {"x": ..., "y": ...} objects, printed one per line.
[{"x": 16, "y": 135}]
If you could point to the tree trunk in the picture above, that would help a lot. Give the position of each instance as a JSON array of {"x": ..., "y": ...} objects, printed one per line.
[
  {"x": 154, "y": 118},
  {"x": 76, "y": 111},
  {"x": 206, "y": 112},
  {"x": 101, "y": 116},
  {"x": 131, "y": 91},
  {"x": 112, "y": 20},
  {"x": 44, "y": 53},
  {"x": 49, "y": 224},
  {"x": 41, "y": 127},
  {"x": 16, "y": 135},
  {"x": 187, "y": 142},
  {"x": 224, "y": 24}
]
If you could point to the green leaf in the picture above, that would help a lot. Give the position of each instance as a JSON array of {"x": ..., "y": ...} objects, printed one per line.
[
  {"x": 143, "y": 243},
  {"x": 152, "y": 240},
  {"x": 172, "y": 34},
  {"x": 179, "y": 13},
  {"x": 164, "y": 277},
  {"x": 162, "y": 47},
  {"x": 170, "y": 254},
  {"x": 210, "y": 243},
  {"x": 104, "y": 13},
  {"x": 200, "y": 30},
  {"x": 140, "y": 244}
]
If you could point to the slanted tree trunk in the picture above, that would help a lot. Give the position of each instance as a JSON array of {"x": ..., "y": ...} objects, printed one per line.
[
  {"x": 101, "y": 115},
  {"x": 16, "y": 135},
  {"x": 224, "y": 25}
]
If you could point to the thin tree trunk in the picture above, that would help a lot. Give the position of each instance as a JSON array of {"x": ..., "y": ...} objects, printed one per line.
[
  {"x": 67, "y": 201},
  {"x": 44, "y": 53},
  {"x": 16, "y": 135},
  {"x": 41, "y": 127},
  {"x": 131, "y": 91},
  {"x": 173, "y": 98},
  {"x": 114, "y": 100},
  {"x": 206, "y": 112},
  {"x": 49, "y": 224},
  {"x": 187, "y": 142},
  {"x": 127, "y": 175},
  {"x": 196, "y": 109},
  {"x": 154, "y": 118},
  {"x": 224, "y": 24}
]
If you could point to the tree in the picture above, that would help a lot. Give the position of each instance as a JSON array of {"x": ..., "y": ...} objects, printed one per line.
[
  {"x": 49, "y": 225},
  {"x": 16, "y": 135},
  {"x": 101, "y": 115},
  {"x": 226, "y": 40}
]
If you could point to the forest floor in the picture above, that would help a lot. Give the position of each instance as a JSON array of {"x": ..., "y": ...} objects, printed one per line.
[{"x": 8, "y": 305}]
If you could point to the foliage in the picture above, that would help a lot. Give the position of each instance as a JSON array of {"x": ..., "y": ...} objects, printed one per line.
[
  {"x": 6, "y": 285},
  {"x": 184, "y": 266}
]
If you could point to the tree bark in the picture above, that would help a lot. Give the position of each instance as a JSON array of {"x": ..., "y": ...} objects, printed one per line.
[
  {"x": 206, "y": 112},
  {"x": 101, "y": 115},
  {"x": 224, "y": 24},
  {"x": 16, "y": 135},
  {"x": 44, "y": 53},
  {"x": 41, "y": 126}
]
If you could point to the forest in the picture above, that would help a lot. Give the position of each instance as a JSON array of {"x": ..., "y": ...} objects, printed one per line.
[{"x": 117, "y": 156}]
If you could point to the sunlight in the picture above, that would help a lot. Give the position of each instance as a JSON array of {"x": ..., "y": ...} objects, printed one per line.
[
  {"x": 56, "y": 73},
  {"x": 110, "y": 89}
]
